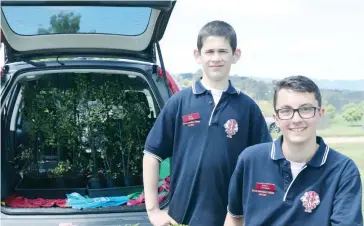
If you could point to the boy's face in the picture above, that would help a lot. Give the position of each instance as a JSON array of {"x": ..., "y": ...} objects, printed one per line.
[
  {"x": 216, "y": 57},
  {"x": 297, "y": 129}
]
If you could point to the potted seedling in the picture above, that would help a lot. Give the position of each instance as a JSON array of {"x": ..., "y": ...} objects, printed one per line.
[
  {"x": 38, "y": 111},
  {"x": 135, "y": 121},
  {"x": 60, "y": 171}
]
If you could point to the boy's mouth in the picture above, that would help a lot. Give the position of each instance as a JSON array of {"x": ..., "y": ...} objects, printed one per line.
[
  {"x": 300, "y": 129},
  {"x": 216, "y": 67}
]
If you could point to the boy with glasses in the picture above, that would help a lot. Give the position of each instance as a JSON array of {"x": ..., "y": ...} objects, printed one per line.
[{"x": 297, "y": 179}]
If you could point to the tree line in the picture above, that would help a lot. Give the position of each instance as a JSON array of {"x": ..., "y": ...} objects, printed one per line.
[{"x": 349, "y": 104}]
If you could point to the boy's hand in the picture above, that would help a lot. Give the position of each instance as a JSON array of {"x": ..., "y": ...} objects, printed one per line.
[{"x": 160, "y": 218}]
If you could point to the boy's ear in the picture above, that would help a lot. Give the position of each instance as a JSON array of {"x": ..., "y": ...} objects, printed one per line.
[
  {"x": 276, "y": 119},
  {"x": 321, "y": 112},
  {"x": 197, "y": 55},
  {"x": 237, "y": 55}
]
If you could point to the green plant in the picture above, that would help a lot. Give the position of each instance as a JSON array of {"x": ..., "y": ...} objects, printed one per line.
[
  {"x": 24, "y": 157},
  {"x": 62, "y": 168},
  {"x": 353, "y": 114},
  {"x": 93, "y": 125},
  {"x": 330, "y": 111}
]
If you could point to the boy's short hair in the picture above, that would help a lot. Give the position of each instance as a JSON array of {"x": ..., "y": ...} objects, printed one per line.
[
  {"x": 297, "y": 83},
  {"x": 217, "y": 28}
]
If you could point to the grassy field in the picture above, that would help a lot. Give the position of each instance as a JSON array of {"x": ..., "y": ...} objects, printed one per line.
[
  {"x": 335, "y": 127},
  {"x": 337, "y": 130},
  {"x": 341, "y": 131},
  {"x": 266, "y": 108},
  {"x": 356, "y": 153}
]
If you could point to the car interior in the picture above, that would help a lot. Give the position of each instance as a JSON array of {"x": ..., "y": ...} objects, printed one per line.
[{"x": 69, "y": 134}]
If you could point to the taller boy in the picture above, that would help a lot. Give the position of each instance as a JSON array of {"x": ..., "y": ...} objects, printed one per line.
[{"x": 203, "y": 128}]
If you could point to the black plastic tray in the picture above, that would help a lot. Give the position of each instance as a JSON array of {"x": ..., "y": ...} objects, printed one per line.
[
  {"x": 45, "y": 189},
  {"x": 116, "y": 191}
]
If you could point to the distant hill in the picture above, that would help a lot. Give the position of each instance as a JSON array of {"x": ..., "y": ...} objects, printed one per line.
[
  {"x": 352, "y": 85},
  {"x": 335, "y": 92}
]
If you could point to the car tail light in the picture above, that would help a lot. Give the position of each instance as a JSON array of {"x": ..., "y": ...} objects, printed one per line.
[{"x": 171, "y": 82}]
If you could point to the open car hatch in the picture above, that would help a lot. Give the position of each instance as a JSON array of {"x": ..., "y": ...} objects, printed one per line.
[{"x": 34, "y": 28}]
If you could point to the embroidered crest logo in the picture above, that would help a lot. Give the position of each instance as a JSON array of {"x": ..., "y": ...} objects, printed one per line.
[
  {"x": 231, "y": 127},
  {"x": 310, "y": 200}
]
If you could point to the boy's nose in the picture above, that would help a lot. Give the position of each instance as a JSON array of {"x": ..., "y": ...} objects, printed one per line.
[
  {"x": 296, "y": 117},
  {"x": 216, "y": 57}
]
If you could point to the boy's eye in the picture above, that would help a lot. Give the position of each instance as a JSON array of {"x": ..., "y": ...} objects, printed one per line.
[
  {"x": 305, "y": 109},
  {"x": 285, "y": 111}
]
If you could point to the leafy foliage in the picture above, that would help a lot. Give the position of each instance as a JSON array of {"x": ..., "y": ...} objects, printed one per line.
[
  {"x": 353, "y": 114},
  {"x": 62, "y": 23},
  {"x": 330, "y": 111},
  {"x": 93, "y": 124}
]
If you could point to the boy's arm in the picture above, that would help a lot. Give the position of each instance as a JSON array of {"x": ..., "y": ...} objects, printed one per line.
[
  {"x": 158, "y": 146},
  {"x": 347, "y": 206},
  {"x": 233, "y": 221},
  {"x": 235, "y": 197},
  {"x": 151, "y": 179}
]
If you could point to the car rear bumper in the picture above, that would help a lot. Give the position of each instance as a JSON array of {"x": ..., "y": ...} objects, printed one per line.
[{"x": 114, "y": 219}]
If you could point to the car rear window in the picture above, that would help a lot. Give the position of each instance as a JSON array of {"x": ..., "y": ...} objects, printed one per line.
[{"x": 34, "y": 20}]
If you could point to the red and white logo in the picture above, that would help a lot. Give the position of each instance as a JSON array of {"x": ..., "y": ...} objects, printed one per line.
[
  {"x": 310, "y": 200},
  {"x": 231, "y": 127}
]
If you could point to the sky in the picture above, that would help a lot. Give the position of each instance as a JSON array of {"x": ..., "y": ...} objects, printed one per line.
[{"x": 320, "y": 39}]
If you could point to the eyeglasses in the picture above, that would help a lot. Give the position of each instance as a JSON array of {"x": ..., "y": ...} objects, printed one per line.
[{"x": 304, "y": 112}]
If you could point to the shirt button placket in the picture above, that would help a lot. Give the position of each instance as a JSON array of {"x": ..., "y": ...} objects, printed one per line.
[
  {"x": 287, "y": 178},
  {"x": 211, "y": 106}
]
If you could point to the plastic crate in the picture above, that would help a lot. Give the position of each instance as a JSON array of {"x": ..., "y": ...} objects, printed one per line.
[{"x": 46, "y": 188}]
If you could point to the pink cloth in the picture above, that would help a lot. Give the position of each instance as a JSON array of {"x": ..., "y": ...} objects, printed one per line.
[
  {"x": 21, "y": 202},
  {"x": 162, "y": 194}
]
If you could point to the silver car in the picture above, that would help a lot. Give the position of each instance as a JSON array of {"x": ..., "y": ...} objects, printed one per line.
[{"x": 273, "y": 128}]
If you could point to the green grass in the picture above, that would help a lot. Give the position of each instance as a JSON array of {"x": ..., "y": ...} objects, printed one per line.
[
  {"x": 266, "y": 108},
  {"x": 336, "y": 130},
  {"x": 337, "y": 127},
  {"x": 356, "y": 153},
  {"x": 339, "y": 130}
]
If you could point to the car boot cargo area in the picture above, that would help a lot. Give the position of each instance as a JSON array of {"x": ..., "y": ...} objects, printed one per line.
[{"x": 75, "y": 143}]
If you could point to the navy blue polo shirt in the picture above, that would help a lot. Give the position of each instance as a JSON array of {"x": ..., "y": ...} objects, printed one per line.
[
  {"x": 326, "y": 192},
  {"x": 204, "y": 142}
]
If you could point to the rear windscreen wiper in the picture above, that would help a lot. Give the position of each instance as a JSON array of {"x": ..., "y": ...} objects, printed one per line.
[{"x": 35, "y": 64}]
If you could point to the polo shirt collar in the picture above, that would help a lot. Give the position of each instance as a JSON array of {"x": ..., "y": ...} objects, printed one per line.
[
  {"x": 317, "y": 160},
  {"x": 198, "y": 88}
]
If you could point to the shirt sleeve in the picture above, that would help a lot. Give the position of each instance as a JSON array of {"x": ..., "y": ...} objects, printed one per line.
[
  {"x": 235, "y": 196},
  {"x": 159, "y": 142},
  {"x": 347, "y": 209},
  {"x": 258, "y": 131}
]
